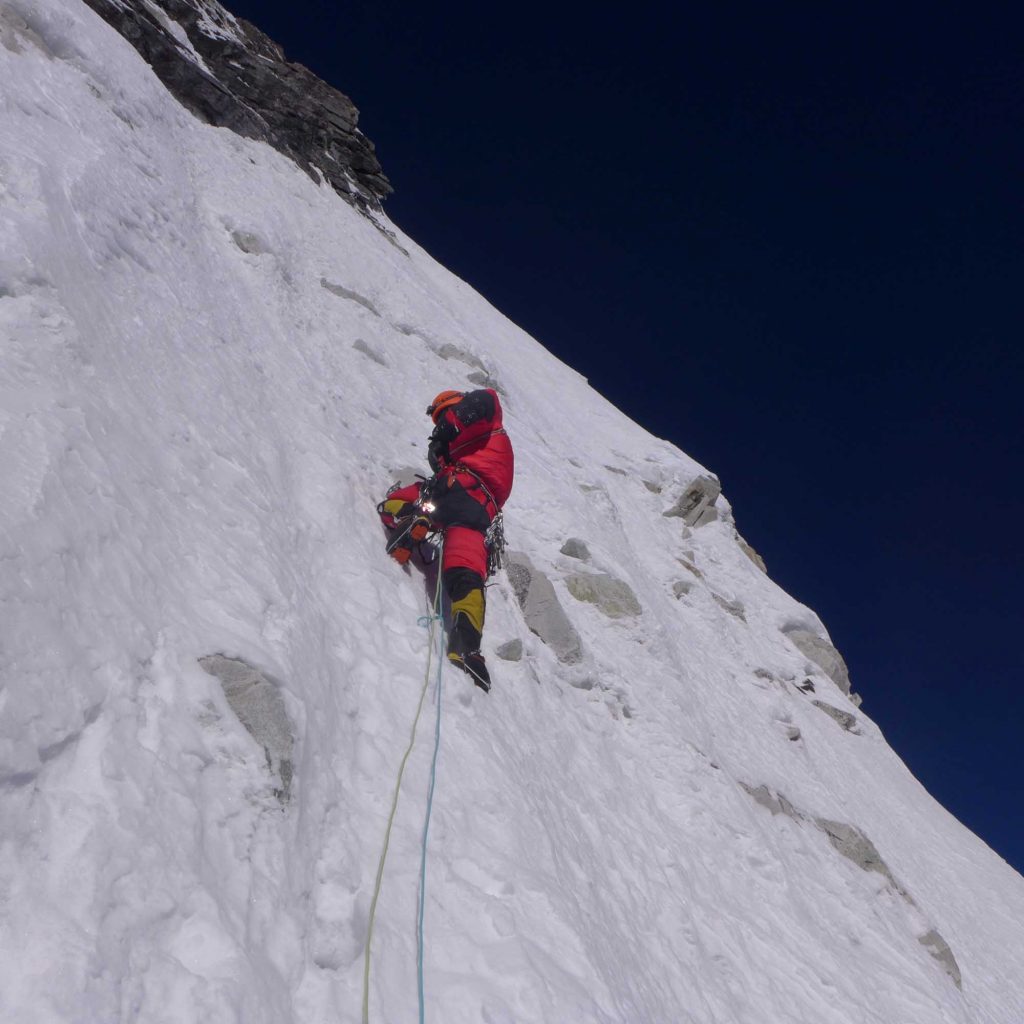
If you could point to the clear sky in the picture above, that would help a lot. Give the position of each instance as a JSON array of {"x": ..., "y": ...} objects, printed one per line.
[{"x": 792, "y": 243}]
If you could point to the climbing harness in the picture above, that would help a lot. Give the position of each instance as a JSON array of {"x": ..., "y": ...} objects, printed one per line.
[
  {"x": 494, "y": 538},
  {"x": 461, "y": 467},
  {"x": 404, "y": 525},
  {"x": 430, "y": 622}
]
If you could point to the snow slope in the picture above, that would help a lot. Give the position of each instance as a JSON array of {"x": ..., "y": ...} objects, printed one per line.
[{"x": 211, "y": 370}]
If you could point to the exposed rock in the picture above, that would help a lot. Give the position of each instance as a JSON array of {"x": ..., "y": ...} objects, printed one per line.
[
  {"x": 855, "y": 846},
  {"x": 482, "y": 379},
  {"x": 696, "y": 504},
  {"x": 690, "y": 567},
  {"x": 613, "y": 597},
  {"x": 939, "y": 949},
  {"x": 227, "y": 72},
  {"x": 774, "y": 802},
  {"x": 541, "y": 609},
  {"x": 259, "y": 707},
  {"x": 346, "y": 293},
  {"x": 360, "y": 346},
  {"x": 450, "y": 351},
  {"x": 844, "y": 718},
  {"x": 409, "y": 331},
  {"x": 751, "y": 554},
  {"x": 249, "y": 242},
  {"x": 732, "y": 607},
  {"x": 576, "y": 548},
  {"x": 681, "y": 587},
  {"x": 847, "y": 839},
  {"x": 512, "y": 650},
  {"x": 823, "y": 654}
]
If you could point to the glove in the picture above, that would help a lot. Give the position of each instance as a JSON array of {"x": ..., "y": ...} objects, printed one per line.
[{"x": 437, "y": 450}]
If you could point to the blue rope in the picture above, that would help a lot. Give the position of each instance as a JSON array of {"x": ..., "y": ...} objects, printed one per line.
[
  {"x": 426, "y": 826},
  {"x": 428, "y": 621}
]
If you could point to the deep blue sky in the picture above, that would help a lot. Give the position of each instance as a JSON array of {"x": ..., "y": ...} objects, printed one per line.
[{"x": 792, "y": 243}]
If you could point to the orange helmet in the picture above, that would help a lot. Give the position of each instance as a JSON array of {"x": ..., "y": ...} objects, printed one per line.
[{"x": 445, "y": 400}]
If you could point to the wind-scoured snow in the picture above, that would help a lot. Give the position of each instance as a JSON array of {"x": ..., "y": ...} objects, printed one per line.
[{"x": 211, "y": 370}]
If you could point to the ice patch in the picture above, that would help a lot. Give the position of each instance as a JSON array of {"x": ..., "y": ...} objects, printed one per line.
[{"x": 258, "y": 704}]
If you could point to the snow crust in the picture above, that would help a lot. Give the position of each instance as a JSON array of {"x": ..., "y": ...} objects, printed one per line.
[{"x": 211, "y": 369}]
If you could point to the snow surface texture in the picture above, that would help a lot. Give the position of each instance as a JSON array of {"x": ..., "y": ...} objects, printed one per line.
[{"x": 211, "y": 370}]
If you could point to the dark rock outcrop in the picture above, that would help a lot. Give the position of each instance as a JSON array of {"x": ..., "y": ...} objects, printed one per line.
[
  {"x": 696, "y": 505},
  {"x": 227, "y": 72}
]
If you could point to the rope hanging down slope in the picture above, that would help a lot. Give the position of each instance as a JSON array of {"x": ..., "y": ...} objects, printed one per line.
[{"x": 431, "y": 622}]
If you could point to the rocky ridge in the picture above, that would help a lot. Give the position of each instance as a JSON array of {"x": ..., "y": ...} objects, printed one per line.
[{"x": 229, "y": 73}]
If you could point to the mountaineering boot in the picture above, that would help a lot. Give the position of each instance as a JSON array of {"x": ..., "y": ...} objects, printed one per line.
[
  {"x": 419, "y": 528},
  {"x": 400, "y": 546},
  {"x": 474, "y": 666},
  {"x": 467, "y": 623},
  {"x": 409, "y": 530},
  {"x": 467, "y": 629}
]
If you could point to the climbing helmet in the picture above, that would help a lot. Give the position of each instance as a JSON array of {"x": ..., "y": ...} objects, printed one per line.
[{"x": 445, "y": 400}]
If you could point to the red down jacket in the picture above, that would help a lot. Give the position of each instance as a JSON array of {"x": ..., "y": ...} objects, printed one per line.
[{"x": 469, "y": 434}]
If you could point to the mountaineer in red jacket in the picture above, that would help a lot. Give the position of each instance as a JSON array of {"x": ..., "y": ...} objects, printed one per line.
[{"x": 473, "y": 465}]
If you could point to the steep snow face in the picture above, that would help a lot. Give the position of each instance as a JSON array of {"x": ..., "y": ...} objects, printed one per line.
[{"x": 211, "y": 370}]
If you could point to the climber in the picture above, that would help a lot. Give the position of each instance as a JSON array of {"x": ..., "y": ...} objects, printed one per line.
[{"x": 472, "y": 461}]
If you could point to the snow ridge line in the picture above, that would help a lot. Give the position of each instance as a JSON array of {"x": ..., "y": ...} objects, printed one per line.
[{"x": 431, "y": 622}]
